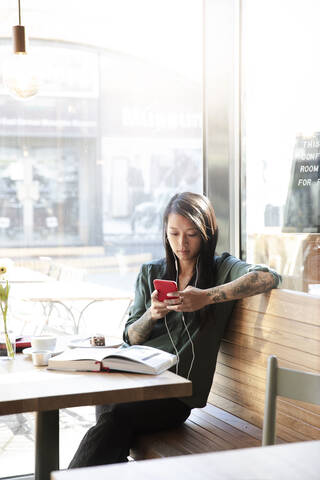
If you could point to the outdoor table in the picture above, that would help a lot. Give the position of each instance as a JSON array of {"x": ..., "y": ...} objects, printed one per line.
[
  {"x": 25, "y": 275},
  {"x": 62, "y": 292}
]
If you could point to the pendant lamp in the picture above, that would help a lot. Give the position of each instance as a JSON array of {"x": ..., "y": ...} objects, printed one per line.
[{"x": 19, "y": 73}]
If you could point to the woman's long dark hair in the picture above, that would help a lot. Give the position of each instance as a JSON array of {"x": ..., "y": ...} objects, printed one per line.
[{"x": 198, "y": 209}]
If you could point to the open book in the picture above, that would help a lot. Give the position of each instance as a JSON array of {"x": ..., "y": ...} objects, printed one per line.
[{"x": 137, "y": 358}]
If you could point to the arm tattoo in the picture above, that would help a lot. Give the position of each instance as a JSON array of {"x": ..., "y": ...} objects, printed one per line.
[
  {"x": 249, "y": 284},
  {"x": 140, "y": 330},
  {"x": 217, "y": 295},
  {"x": 253, "y": 284}
]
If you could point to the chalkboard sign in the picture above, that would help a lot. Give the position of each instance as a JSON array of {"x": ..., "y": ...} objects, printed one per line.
[{"x": 302, "y": 209}]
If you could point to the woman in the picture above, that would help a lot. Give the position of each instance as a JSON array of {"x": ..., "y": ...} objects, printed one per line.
[{"x": 190, "y": 325}]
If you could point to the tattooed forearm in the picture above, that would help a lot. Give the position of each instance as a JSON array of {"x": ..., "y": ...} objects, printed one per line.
[
  {"x": 250, "y": 284},
  {"x": 140, "y": 330},
  {"x": 253, "y": 283},
  {"x": 217, "y": 295}
]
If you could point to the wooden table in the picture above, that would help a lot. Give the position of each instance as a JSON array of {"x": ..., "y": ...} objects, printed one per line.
[
  {"x": 294, "y": 461},
  {"x": 25, "y": 388},
  {"x": 61, "y": 292}
]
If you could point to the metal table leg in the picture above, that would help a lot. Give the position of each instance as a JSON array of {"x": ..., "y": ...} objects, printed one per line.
[{"x": 47, "y": 444}]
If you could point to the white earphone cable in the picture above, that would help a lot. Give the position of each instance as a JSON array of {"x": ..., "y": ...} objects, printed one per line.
[
  {"x": 185, "y": 326},
  {"x": 192, "y": 347},
  {"x": 175, "y": 348}
]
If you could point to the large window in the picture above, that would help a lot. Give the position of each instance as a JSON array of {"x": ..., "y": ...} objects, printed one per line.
[
  {"x": 108, "y": 115},
  {"x": 281, "y": 139},
  {"x": 114, "y": 132},
  {"x": 88, "y": 165}
]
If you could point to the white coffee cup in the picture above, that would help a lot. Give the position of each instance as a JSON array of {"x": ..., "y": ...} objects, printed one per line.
[
  {"x": 41, "y": 358},
  {"x": 44, "y": 342}
]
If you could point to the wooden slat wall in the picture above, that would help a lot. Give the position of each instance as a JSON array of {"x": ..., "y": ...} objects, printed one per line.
[{"x": 283, "y": 323}]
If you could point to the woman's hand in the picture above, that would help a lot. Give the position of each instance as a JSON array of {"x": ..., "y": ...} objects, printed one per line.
[
  {"x": 189, "y": 300},
  {"x": 158, "y": 309}
]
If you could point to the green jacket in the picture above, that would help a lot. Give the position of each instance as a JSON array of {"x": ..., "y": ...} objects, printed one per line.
[{"x": 206, "y": 336}]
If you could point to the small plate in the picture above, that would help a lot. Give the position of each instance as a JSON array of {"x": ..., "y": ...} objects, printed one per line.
[
  {"x": 30, "y": 350},
  {"x": 85, "y": 343}
]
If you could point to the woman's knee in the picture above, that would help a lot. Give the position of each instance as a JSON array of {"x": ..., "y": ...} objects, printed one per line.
[{"x": 101, "y": 409}]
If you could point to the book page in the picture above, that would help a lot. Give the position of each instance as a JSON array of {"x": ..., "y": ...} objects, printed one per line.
[
  {"x": 138, "y": 353},
  {"x": 85, "y": 354}
]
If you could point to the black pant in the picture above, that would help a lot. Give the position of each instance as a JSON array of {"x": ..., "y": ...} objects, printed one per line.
[{"x": 109, "y": 441}]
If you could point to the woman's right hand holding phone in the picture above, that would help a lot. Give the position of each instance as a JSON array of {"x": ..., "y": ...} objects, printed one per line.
[{"x": 158, "y": 309}]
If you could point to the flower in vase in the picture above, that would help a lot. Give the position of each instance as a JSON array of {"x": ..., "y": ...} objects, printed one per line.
[{"x": 4, "y": 296}]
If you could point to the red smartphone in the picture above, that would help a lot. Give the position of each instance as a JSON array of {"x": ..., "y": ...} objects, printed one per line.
[{"x": 164, "y": 287}]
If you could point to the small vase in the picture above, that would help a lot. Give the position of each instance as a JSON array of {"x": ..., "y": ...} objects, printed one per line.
[{"x": 7, "y": 345}]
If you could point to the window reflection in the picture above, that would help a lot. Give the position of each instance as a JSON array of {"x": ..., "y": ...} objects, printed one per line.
[
  {"x": 65, "y": 154},
  {"x": 281, "y": 140}
]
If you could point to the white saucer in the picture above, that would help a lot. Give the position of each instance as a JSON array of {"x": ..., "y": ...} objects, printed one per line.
[{"x": 30, "y": 350}]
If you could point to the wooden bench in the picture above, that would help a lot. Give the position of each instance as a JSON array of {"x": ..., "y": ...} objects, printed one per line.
[{"x": 282, "y": 322}]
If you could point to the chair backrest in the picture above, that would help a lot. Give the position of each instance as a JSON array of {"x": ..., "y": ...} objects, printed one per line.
[
  {"x": 289, "y": 383},
  {"x": 54, "y": 271},
  {"x": 71, "y": 274}
]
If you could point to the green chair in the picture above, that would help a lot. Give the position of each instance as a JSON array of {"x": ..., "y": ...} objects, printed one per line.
[{"x": 285, "y": 382}]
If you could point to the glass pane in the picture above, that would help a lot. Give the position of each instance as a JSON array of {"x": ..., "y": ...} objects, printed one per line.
[
  {"x": 87, "y": 166},
  {"x": 281, "y": 139}
]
